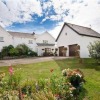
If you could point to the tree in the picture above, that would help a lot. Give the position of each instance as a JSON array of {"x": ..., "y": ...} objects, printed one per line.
[
  {"x": 94, "y": 50},
  {"x": 23, "y": 49}
]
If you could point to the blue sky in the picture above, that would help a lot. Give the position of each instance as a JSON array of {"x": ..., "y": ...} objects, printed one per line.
[{"x": 48, "y": 15}]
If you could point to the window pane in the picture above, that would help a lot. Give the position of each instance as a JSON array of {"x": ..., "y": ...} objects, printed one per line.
[
  {"x": 1, "y": 39},
  {"x": 30, "y": 42},
  {"x": 45, "y": 41}
]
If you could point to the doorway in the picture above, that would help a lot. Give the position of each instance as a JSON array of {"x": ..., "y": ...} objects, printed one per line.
[{"x": 74, "y": 50}]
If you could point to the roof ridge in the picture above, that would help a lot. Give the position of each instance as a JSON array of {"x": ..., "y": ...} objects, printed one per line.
[
  {"x": 78, "y": 29},
  {"x": 78, "y": 25},
  {"x": 82, "y": 27},
  {"x": 19, "y": 32}
]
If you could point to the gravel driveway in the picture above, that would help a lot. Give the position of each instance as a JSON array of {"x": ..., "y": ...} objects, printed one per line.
[{"x": 28, "y": 60}]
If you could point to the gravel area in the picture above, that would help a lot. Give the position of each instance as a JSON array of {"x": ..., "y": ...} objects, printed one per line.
[{"x": 28, "y": 60}]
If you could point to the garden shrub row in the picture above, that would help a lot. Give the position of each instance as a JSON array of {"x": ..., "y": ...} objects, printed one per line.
[
  {"x": 69, "y": 86},
  {"x": 18, "y": 51}
]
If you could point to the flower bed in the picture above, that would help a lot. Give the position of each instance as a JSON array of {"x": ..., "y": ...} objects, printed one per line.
[{"x": 67, "y": 86}]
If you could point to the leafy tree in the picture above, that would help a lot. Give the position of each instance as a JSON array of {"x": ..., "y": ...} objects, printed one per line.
[
  {"x": 23, "y": 49},
  {"x": 94, "y": 50},
  {"x": 5, "y": 50},
  {"x": 13, "y": 52}
]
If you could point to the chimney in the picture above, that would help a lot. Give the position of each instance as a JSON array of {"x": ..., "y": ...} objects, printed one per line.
[
  {"x": 33, "y": 33},
  {"x": 90, "y": 26}
]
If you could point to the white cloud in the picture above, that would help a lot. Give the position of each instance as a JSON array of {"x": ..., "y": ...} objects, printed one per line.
[
  {"x": 54, "y": 32},
  {"x": 82, "y": 12},
  {"x": 85, "y": 13},
  {"x": 18, "y": 11}
]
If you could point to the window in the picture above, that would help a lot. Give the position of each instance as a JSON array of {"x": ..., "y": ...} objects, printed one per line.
[
  {"x": 65, "y": 33},
  {"x": 1, "y": 39},
  {"x": 45, "y": 41},
  {"x": 30, "y": 42},
  {"x": 47, "y": 50}
]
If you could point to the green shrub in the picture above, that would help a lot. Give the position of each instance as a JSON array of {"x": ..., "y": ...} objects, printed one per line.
[
  {"x": 0, "y": 55},
  {"x": 32, "y": 53},
  {"x": 94, "y": 50},
  {"x": 5, "y": 50},
  {"x": 14, "y": 52},
  {"x": 22, "y": 49},
  {"x": 67, "y": 86}
]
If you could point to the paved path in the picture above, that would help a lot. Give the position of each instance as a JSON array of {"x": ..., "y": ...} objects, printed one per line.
[{"x": 28, "y": 60}]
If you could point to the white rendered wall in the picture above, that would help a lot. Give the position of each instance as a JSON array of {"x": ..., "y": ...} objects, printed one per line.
[
  {"x": 18, "y": 40},
  {"x": 45, "y": 36},
  {"x": 7, "y": 38}
]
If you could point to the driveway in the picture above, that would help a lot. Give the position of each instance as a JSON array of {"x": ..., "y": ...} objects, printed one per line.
[{"x": 28, "y": 60}]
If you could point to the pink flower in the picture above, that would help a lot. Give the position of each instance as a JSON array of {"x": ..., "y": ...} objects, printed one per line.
[{"x": 11, "y": 71}]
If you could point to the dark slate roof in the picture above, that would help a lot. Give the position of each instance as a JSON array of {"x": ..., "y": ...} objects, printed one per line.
[
  {"x": 23, "y": 35},
  {"x": 81, "y": 30},
  {"x": 43, "y": 44}
]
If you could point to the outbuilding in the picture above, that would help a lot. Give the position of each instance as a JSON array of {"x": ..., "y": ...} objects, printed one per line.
[{"x": 73, "y": 40}]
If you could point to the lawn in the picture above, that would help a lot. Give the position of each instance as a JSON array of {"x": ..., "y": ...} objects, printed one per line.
[{"x": 42, "y": 70}]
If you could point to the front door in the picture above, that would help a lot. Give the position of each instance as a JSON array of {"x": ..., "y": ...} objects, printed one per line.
[
  {"x": 74, "y": 50},
  {"x": 47, "y": 52}
]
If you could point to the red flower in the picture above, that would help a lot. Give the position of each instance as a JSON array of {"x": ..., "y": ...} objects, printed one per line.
[
  {"x": 11, "y": 71},
  {"x": 51, "y": 70}
]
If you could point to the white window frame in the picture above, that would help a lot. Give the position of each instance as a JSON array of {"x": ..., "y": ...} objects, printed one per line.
[
  {"x": 1, "y": 39},
  {"x": 30, "y": 41},
  {"x": 45, "y": 41}
]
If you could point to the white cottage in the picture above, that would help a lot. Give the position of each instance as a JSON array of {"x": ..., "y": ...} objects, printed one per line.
[
  {"x": 73, "y": 40},
  {"x": 43, "y": 44}
]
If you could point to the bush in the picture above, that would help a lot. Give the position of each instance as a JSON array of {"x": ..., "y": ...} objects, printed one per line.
[
  {"x": 23, "y": 49},
  {"x": 20, "y": 50},
  {"x": 14, "y": 52},
  {"x": 32, "y": 53},
  {"x": 68, "y": 86},
  {"x": 94, "y": 50},
  {"x": 6, "y": 49}
]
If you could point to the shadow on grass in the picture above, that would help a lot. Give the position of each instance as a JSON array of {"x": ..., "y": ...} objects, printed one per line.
[
  {"x": 83, "y": 94},
  {"x": 74, "y": 63}
]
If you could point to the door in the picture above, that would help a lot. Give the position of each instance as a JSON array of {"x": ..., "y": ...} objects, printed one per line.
[
  {"x": 47, "y": 52},
  {"x": 74, "y": 50},
  {"x": 62, "y": 51}
]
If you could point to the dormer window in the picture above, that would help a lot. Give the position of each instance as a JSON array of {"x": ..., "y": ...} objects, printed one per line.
[
  {"x": 45, "y": 41},
  {"x": 1, "y": 39}
]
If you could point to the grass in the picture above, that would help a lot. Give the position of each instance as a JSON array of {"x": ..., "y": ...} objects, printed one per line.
[{"x": 90, "y": 69}]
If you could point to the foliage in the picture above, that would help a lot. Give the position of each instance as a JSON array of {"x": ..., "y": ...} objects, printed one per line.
[
  {"x": 32, "y": 53},
  {"x": 53, "y": 88},
  {"x": 5, "y": 50},
  {"x": 94, "y": 50},
  {"x": 20, "y": 50},
  {"x": 14, "y": 81},
  {"x": 14, "y": 52},
  {"x": 23, "y": 49}
]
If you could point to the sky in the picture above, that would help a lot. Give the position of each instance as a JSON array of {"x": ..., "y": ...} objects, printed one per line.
[{"x": 48, "y": 15}]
